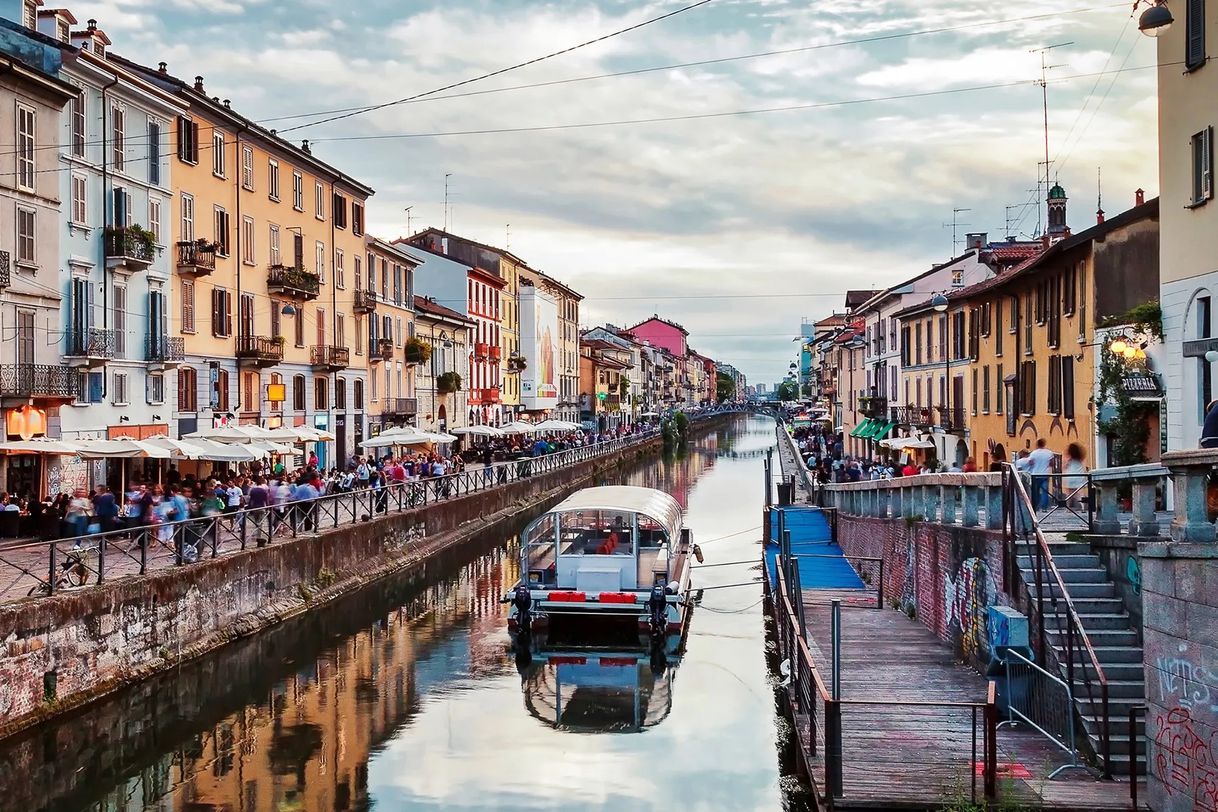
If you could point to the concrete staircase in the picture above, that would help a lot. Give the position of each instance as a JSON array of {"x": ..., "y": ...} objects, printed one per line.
[{"x": 1113, "y": 637}]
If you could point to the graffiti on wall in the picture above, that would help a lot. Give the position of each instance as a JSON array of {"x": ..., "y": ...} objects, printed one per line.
[
  {"x": 966, "y": 601},
  {"x": 1185, "y": 762},
  {"x": 1186, "y": 684},
  {"x": 1133, "y": 574},
  {"x": 909, "y": 598}
]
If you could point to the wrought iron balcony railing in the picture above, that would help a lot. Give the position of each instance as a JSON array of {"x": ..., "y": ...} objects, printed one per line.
[
  {"x": 160, "y": 349},
  {"x": 951, "y": 419},
  {"x": 263, "y": 350},
  {"x": 365, "y": 301},
  {"x": 91, "y": 342},
  {"x": 6, "y": 272},
  {"x": 324, "y": 355},
  {"x": 295, "y": 282},
  {"x": 402, "y": 406},
  {"x": 39, "y": 381},
  {"x": 130, "y": 246},
  {"x": 921, "y": 416},
  {"x": 196, "y": 258}
]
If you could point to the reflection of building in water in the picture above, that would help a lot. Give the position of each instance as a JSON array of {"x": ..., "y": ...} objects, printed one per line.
[
  {"x": 598, "y": 693},
  {"x": 305, "y": 745}
]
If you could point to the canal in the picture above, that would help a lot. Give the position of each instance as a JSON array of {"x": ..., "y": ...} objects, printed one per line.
[{"x": 405, "y": 696}]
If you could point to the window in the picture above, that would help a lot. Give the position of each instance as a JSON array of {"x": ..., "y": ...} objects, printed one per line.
[
  {"x": 154, "y": 388},
  {"x": 118, "y": 137},
  {"x": 29, "y": 14},
  {"x": 1027, "y": 324},
  {"x": 188, "y": 218},
  {"x": 120, "y": 388},
  {"x": 319, "y": 200},
  {"x": 276, "y": 256},
  {"x": 1069, "y": 291},
  {"x": 340, "y": 330},
  {"x": 154, "y": 153},
  {"x": 188, "y": 391},
  {"x": 27, "y": 225},
  {"x": 359, "y": 272},
  {"x": 245, "y": 315},
  {"x": 1054, "y": 400},
  {"x": 1067, "y": 390},
  {"x": 122, "y": 209},
  {"x": 154, "y": 220},
  {"x": 321, "y": 398},
  {"x": 340, "y": 273},
  {"x": 300, "y": 327},
  {"x": 321, "y": 327},
  {"x": 999, "y": 383},
  {"x": 221, "y": 313},
  {"x": 79, "y": 127},
  {"x": 340, "y": 394},
  {"x": 1203, "y": 165},
  {"x": 247, "y": 168},
  {"x": 249, "y": 389},
  {"x": 357, "y": 394},
  {"x": 217, "y": 154},
  {"x": 1194, "y": 36},
  {"x": 222, "y": 231},
  {"x": 120, "y": 323},
  {"x": 188, "y": 140},
  {"x": 272, "y": 180},
  {"x": 247, "y": 240},
  {"x": 976, "y": 392},
  {"x": 298, "y": 393},
  {"x": 276, "y": 322},
  {"x": 397, "y": 284},
  {"x": 357, "y": 222},
  {"x": 80, "y": 199},
  {"x": 372, "y": 379},
  {"x": 220, "y": 396},
  {"x": 985, "y": 390},
  {"x": 998, "y": 327},
  {"x": 188, "y": 305},
  {"x": 1027, "y": 383},
  {"x": 339, "y": 204},
  {"x": 63, "y": 31},
  {"x": 359, "y": 335},
  {"x": 297, "y": 191},
  {"x": 25, "y": 147},
  {"x": 319, "y": 255},
  {"x": 91, "y": 385}
]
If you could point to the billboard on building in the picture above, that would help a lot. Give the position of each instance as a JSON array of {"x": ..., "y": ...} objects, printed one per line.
[{"x": 539, "y": 346}]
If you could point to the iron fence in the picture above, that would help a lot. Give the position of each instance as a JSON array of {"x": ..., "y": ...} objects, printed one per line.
[{"x": 1043, "y": 701}]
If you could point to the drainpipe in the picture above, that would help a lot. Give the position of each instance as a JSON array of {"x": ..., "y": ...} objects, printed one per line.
[
  {"x": 240, "y": 166},
  {"x": 107, "y": 193},
  {"x": 332, "y": 403}
]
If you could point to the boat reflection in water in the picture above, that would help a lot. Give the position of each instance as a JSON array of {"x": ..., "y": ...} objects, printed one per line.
[{"x": 594, "y": 691}]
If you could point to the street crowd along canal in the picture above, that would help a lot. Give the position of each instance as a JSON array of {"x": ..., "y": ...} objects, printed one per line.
[{"x": 405, "y": 696}]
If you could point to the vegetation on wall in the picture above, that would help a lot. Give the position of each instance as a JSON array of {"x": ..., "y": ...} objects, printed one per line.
[
  {"x": 448, "y": 382},
  {"x": 417, "y": 351},
  {"x": 1144, "y": 318},
  {"x": 1129, "y": 427}
]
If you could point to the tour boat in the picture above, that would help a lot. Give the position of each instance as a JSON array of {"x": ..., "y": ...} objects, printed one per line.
[{"x": 610, "y": 555}]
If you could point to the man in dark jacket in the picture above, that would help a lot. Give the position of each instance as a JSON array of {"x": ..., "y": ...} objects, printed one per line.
[{"x": 1209, "y": 429}]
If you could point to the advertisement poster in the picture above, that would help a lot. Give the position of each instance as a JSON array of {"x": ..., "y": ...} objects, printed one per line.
[{"x": 539, "y": 346}]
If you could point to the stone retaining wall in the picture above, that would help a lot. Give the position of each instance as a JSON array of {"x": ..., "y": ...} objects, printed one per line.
[{"x": 59, "y": 652}]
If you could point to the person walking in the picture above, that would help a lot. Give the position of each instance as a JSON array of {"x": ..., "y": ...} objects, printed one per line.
[
  {"x": 1074, "y": 481},
  {"x": 1040, "y": 466}
]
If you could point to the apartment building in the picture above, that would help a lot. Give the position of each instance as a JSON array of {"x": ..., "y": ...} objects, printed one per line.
[
  {"x": 393, "y": 351},
  {"x": 440, "y": 383}
]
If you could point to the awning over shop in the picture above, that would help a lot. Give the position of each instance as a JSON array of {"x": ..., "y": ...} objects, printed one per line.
[
  {"x": 881, "y": 428},
  {"x": 858, "y": 431}
]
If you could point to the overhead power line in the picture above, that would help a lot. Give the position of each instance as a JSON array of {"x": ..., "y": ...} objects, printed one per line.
[{"x": 501, "y": 71}]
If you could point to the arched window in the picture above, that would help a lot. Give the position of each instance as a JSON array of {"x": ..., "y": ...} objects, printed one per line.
[
  {"x": 321, "y": 399},
  {"x": 340, "y": 394},
  {"x": 358, "y": 393},
  {"x": 298, "y": 393}
]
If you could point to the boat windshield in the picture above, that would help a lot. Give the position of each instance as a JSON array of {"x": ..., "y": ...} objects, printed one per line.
[{"x": 597, "y": 532}]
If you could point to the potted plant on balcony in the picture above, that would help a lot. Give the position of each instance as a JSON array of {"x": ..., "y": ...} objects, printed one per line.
[
  {"x": 516, "y": 363},
  {"x": 448, "y": 382},
  {"x": 132, "y": 241},
  {"x": 417, "y": 351}
]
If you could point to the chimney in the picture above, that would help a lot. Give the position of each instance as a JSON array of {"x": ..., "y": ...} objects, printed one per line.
[
  {"x": 1139, "y": 197},
  {"x": 227, "y": 104},
  {"x": 1099, "y": 217},
  {"x": 92, "y": 25},
  {"x": 977, "y": 240},
  {"x": 162, "y": 67},
  {"x": 305, "y": 146},
  {"x": 199, "y": 83}
]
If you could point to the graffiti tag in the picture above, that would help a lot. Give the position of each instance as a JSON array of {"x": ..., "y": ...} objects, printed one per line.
[
  {"x": 1184, "y": 762},
  {"x": 1133, "y": 574},
  {"x": 966, "y": 602},
  {"x": 1185, "y": 682}
]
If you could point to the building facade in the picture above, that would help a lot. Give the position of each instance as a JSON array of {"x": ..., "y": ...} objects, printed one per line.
[
  {"x": 440, "y": 383},
  {"x": 393, "y": 353}
]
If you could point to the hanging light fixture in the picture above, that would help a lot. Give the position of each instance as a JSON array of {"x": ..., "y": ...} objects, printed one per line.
[{"x": 289, "y": 309}]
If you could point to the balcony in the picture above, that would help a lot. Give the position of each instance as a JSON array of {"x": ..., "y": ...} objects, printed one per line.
[
  {"x": 328, "y": 357},
  {"x": 196, "y": 258},
  {"x": 261, "y": 351},
  {"x": 613, "y": 402},
  {"x": 365, "y": 301},
  {"x": 401, "y": 407},
  {"x": 915, "y": 416},
  {"x": 951, "y": 419},
  {"x": 481, "y": 350},
  {"x": 164, "y": 351},
  {"x": 90, "y": 347},
  {"x": 496, "y": 353},
  {"x": 132, "y": 248},
  {"x": 490, "y": 395},
  {"x": 39, "y": 382},
  {"x": 6, "y": 266},
  {"x": 381, "y": 351},
  {"x": 873, "y": 406},
  {"x": 295, "y": 283}
]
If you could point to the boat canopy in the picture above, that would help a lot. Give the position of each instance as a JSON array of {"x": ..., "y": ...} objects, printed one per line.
[{"x": 654, "y": 504}]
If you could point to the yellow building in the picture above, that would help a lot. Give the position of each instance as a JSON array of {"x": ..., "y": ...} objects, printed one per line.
[{"x": 269, "y": 244}]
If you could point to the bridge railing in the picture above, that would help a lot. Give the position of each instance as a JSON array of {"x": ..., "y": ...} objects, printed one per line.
[{"x": 968, "y": 500}]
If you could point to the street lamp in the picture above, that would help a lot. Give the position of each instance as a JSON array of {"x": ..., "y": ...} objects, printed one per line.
[
  {"x": 1155, "y": 20},
  {"x": 938, "y": 303}
]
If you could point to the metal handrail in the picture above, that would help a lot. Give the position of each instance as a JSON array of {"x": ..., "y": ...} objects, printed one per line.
[{"x": 1074, "y": 634}]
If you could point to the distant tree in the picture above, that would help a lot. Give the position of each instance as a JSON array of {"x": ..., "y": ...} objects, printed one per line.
[
  {"x": 725, "y": 387},
  {"x": 788, "y": 390}
]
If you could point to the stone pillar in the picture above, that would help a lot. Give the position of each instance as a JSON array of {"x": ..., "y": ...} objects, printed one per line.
[
  {"x": 993, "y": 507},
  {"x": 1144, "y": 521},
  {"x": 951, "y": 499},
  {"x": 1106, "y": 521},
  {"x": 930, "y": 503},
  {"x": 1189, "y": 472},
  {"x": 971, "y": 514},
  {"x": 881, "y": 502},
  {"x": 896, "y": 502}
]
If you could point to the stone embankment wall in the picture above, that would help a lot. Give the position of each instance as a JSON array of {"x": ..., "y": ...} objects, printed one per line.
[
  {"x": 946, "y": 577},
  {"x": 59, "y": 652}
]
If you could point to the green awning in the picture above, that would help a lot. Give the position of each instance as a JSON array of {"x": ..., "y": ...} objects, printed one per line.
[
  {"x": 882, "y": 428},
  {"x": 858, "y": 430}
]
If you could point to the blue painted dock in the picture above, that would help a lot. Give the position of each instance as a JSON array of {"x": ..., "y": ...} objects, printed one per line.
[{"x": 822, "y": 563}]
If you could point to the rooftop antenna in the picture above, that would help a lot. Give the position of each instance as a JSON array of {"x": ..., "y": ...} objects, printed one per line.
[
  {"x": 507, "y": 242},
  {"x": 1045, "y": 67},
  {"x": 1009, "y": 230},
  {"x": 447, "y": 175},
  {"x": 1037, "y": 197},
  {"x": 954, "y": 225},
  {"x": 409, "y": 231},
  {"x": 1099, "y": 195}
]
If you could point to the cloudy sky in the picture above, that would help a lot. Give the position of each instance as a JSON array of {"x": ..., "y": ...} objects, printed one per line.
[{"x": 737, "y": 225}]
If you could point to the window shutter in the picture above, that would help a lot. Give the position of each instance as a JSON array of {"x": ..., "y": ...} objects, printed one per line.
[
  {"x": 1194, "y": 56},
  {"x": 183, "y": 137},
  {"x": 228, "y": 313},
  {"x": 1207, "y": 163},
  {"x": 1068, "y": 387},
  {"x": 216, "y": 304}
]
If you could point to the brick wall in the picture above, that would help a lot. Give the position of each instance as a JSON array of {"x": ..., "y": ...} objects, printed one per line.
[
  {"x": 947, "y": 577},
  {"x": 1180, "y": 617},
  {"x": 59, "y": 652}
]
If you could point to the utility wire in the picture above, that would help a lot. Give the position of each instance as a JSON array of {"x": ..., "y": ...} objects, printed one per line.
[{"x": 501, "y": 71}]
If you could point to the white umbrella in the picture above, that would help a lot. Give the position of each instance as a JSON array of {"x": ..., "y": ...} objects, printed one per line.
[
  {"x": 272, "y": 448},
  {"x": 556, "y": 425},
  {"x": 123, "y": 447},
  {"x": 438, "y": 437},
  {"x": 224, "y": 452},
  {"x": 178, "y": 448},
  {"x": 230, "y": 433},
  {"x": 481, "y": 431},
  {"x": 518, "y": 427},
  {"x": 40, "y": 445},
  {"x": 907, "y": 442},
  {"x": 397, "y": 437}
]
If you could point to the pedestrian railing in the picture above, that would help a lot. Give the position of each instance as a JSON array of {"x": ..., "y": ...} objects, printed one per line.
[
  {"x": 1043, "y": 701},
  {"x": 37, "y": 568}
]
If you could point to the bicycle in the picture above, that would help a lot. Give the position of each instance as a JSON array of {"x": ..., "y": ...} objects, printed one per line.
[{"x": 74, "y": 571}]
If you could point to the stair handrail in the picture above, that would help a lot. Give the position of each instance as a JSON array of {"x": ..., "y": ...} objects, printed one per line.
[{"x": 1044, "y": 561}]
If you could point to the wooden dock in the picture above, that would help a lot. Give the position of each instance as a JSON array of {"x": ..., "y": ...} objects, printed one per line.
[{"x": 913, "y": 721}]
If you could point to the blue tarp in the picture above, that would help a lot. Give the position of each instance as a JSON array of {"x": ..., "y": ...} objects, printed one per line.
[{"x": 811, "y": 535}]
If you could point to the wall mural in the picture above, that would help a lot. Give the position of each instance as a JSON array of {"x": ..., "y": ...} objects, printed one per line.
[{"x": 966, "y": 601}]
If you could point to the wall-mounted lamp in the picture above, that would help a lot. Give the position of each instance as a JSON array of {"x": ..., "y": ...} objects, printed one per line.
[
  {"x": 938, "y": 303},
  {"x": 1155, "y": 20},
  {"x": 1211, "y": 356},
  {"x": 124, "y": 419},
  {"x": 289, "y": 309},
  {"x": 156, "y": 417}
]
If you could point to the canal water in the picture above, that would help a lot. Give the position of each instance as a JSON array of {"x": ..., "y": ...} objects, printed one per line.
[{"x": 406, "y": 696}]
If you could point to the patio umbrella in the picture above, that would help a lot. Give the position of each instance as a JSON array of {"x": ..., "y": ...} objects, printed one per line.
[
  {"x": 229, "y": 434},
  {"x": 123, "y": 448},
  {"x": 518, "y": 427},
  {"x": 438, "y": 437},
  {"x": 397, "y": 437},
  {"x": 226, "y": 452},
  {"x": 40, "y": 445},
  {"x": 272, "y": 448},
  {"x": 177, "y": 448},
  {"x": 480, "y": 431},
  {"x": 556, "y": 425}
]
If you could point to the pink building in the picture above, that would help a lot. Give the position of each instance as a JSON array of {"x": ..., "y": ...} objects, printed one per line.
[{"x": 662, "y": 333}]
